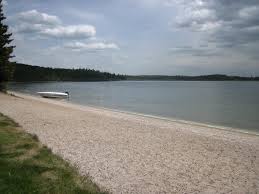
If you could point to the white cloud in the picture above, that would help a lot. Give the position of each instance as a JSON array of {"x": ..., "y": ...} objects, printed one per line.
[
  {"x": 80, "y": 46},
  {"x": 35, "y": 17},
  {"x": 249, "y": 12},
  {"x": 49, "y": 25},
  {"x": 196, "y": 16},
  {"x": 210, "y": 26},
  {"x": 77, "y": 31},
  {"x": 27, "y": 28},
  {"x": 229, "y": 22},
  {"x": 58, "y": 38}
]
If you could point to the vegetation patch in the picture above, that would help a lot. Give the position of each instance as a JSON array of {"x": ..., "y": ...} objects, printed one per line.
[{"x": 26, "y": 166}]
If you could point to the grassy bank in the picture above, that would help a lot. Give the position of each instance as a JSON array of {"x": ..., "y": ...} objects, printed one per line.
[{"x": 26, "y": 166}]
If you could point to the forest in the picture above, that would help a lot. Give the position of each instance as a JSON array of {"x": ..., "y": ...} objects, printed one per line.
[
  {"x": 28, "y": 73},
  {"x": 214, "y": 77}
]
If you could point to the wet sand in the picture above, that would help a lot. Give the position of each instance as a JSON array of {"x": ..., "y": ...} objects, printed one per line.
[{"x": 130, "y": 153}]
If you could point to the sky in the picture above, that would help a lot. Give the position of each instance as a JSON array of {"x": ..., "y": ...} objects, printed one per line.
[{"x": 136, "y": 37}]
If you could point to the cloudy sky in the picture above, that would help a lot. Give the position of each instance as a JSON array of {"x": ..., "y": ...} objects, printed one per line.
[{"x": 170, "y": 37}]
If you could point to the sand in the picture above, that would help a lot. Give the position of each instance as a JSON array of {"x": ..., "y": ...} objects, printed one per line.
[{"x": 130, "y": 153}]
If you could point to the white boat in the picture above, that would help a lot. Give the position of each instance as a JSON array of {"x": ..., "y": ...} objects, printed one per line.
[{"x": 54, "y": 94}]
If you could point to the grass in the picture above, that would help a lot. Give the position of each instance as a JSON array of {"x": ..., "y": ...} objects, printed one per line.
[{"x": 26, "y": 166}]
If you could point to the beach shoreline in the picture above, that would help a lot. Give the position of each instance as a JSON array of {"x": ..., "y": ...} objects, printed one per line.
[
  {"x": 135, "y": 153},
  {"x": 170, "y": 119}
]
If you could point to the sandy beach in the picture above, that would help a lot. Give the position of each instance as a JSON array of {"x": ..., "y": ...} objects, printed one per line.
[{"x": 127, "y": 153}]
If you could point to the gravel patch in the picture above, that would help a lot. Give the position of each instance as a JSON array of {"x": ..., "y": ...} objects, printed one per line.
[{"x": 127, "y": 153}]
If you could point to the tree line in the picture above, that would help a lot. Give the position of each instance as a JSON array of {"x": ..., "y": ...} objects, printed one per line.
[
  {"x": 215, "y": 77},
  {"x": 27, "y": 73}
]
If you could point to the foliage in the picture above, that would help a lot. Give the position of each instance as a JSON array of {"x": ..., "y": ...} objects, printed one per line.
[
  {"x": 215, "y": 77},
  {"x": 26, "y": 166},
  {"x": 26, "y": 73},
  {"x": 5, "y": 50}
]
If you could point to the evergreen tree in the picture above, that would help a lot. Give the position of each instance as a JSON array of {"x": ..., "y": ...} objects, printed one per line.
[{"x": 6, "y": 50}]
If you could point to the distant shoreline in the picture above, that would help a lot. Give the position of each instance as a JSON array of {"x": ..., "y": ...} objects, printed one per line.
[
  {"x": 213, "y": 77},
  {"x": 138, "y": 80},
  {"x": 29, "y": 73}
]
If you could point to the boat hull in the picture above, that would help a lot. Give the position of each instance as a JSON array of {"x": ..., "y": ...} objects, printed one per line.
[{"x": 53, "y": 94}]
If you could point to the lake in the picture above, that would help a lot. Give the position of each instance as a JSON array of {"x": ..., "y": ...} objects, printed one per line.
[{"x": 232, "y": 104}]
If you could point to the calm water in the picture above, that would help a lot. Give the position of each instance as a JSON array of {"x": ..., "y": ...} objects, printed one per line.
[{"x": 233, "y": 104}]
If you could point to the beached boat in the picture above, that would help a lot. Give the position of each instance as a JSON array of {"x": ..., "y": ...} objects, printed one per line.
[{"x": 54, "y": 94}]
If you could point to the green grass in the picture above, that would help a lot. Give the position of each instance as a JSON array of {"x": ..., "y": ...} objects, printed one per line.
[{"x": 26, "y": 166}]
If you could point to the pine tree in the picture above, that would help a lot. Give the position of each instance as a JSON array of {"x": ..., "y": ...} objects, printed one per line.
[{"x": 5, "y": 50}]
